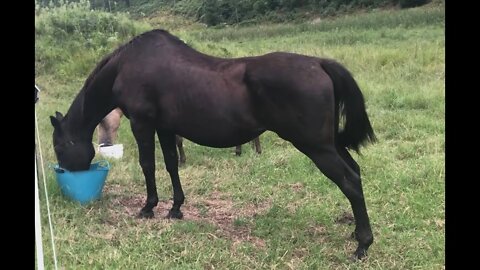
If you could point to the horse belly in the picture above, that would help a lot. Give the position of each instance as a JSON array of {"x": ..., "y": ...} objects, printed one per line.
[
  {"x": 222, "y": 140},
  {"x": 220, "y": 132}
]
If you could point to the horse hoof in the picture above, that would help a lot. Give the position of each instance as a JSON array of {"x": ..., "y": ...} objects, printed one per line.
[
  {"x": 359, "y": 254},
  {"x": 145, "y": 214},
  {"x": 175, "y": 214}
]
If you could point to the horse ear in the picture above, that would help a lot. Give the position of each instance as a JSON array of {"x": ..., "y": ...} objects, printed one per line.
[
  {"x": 59, "y": 116},
  {"x": 55, "y": 122}
]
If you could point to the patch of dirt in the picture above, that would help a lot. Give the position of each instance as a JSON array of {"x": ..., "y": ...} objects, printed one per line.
[
  {"x": 346, "y": 218},
  {"x": 317, "y": 230},
  {"x": 222, "y": 213},
  {"x": 297, "y": 187},
  {"x": 217, "y": 209}
]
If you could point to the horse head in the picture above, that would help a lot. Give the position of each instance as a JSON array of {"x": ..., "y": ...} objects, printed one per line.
[{"x": 73, "y": 153}]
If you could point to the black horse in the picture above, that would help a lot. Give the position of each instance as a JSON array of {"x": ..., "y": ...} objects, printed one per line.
[{"x": 165, "y": 87}]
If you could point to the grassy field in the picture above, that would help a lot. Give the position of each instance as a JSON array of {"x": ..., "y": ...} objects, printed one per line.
[{"x": 276, "y": 210}]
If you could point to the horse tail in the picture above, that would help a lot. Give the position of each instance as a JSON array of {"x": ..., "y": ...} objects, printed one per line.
[{"x": 349, "y": 106}]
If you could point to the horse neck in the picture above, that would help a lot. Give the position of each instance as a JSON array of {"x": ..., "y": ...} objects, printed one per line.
[{"x": 91, "y": 105}]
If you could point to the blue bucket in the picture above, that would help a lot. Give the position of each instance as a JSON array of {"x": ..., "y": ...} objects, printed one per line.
[{"x": 83, "y": 186}]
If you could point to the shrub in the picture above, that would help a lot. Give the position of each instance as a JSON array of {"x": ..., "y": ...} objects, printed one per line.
[{"x": 70, "y": 37}]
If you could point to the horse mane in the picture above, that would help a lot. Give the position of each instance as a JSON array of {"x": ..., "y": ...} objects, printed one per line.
[{"x": 128, "y": 44}]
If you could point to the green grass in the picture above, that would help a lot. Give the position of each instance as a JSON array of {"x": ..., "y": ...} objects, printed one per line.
[{"x": 276, "y": 210}]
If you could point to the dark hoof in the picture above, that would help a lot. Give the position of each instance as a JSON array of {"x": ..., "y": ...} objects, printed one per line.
[
  {"x": 145, "y": 214},
  {"x": 175, "y": 214},
  {"x": 359, "y": 254}
]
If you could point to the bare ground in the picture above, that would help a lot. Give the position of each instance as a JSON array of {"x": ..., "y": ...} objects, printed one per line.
[{"x": 217, "y": 209}]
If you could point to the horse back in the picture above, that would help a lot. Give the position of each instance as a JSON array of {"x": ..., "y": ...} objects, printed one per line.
[{"x": 286, "y": 87}]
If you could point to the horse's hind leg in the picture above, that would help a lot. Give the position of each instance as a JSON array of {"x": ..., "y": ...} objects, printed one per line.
[
  {"x": 258, "y": 148},
  {"x": 342, "y": 151},
  {"x": 255, "y": 143},
  {"x": 179, "y": 142},
  {"x": 145, "y": 137},
  {"x": 108, "y": 128},
  {"x": 335, "y": 168},
  {"x": 104, "y": 137},
  {"x": 238, "y": 150},
  {"x": 168, "y": 144}
]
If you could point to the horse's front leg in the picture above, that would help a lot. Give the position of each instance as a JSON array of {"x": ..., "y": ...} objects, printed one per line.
[
  {"x": 145, "y": 137},
  {"x": 167, "y": 142}
]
